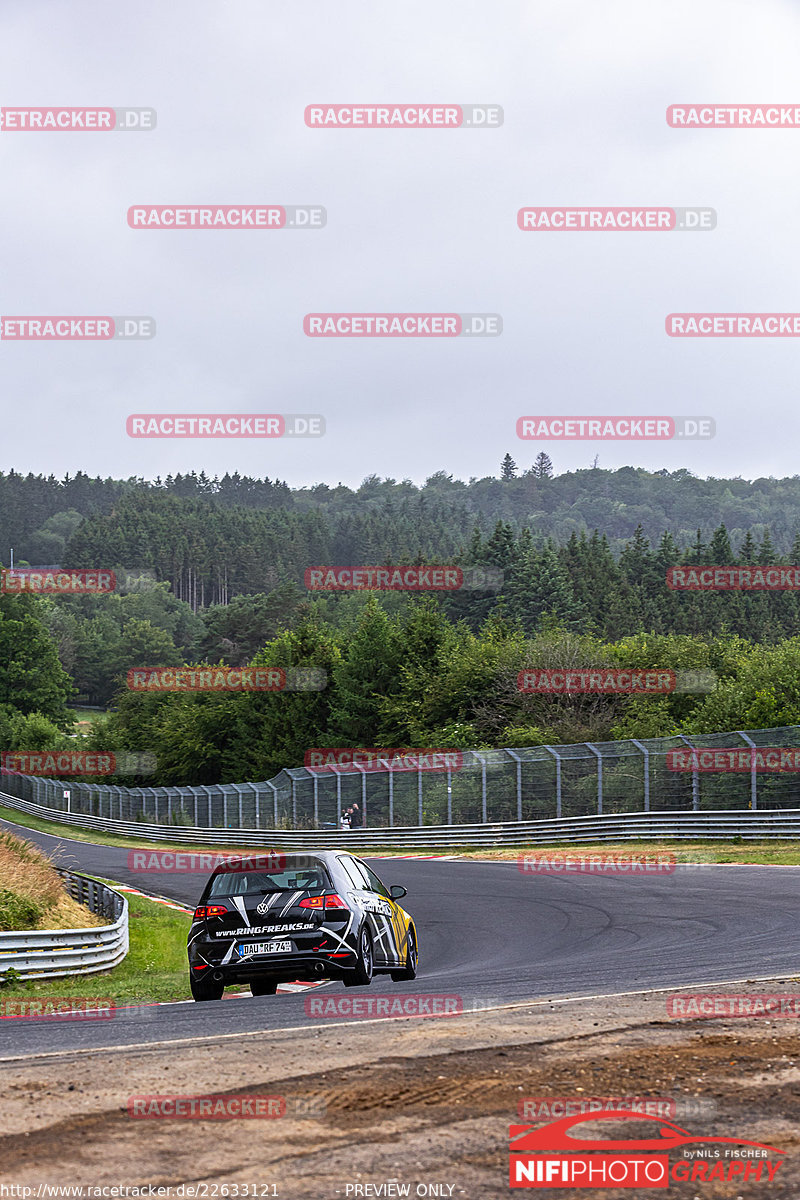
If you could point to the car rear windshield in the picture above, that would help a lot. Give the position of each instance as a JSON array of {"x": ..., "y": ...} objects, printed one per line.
[{"x": 308, "y": 876}]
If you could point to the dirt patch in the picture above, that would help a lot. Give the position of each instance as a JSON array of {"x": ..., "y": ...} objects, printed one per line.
[{"x": 420, "y": 1103}]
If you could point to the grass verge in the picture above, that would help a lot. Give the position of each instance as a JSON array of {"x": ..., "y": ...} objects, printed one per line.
[
  {"x": 767, "y": 852},
  {"x": 32, "y": 894},
  {"x": 154, "y": 969},
  {"x": 100, "y": 838}
]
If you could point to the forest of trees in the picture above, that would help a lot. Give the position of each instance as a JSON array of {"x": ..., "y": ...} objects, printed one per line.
[
  {"x": 399, "y": 673},
  {"x": 38, "y": 515},
  {"x": 212, "y": 572}
]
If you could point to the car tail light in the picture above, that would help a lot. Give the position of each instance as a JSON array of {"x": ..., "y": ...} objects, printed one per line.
[
  {"x": 331, "y": 901},
  {"x": 209, "y": 910}
]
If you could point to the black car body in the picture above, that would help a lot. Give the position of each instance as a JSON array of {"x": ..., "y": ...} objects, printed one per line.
[{"x": 324, "y": 914}]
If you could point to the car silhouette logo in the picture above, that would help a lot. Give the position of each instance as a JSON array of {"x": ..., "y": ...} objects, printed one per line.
[{"x": 666, "y": 1136}]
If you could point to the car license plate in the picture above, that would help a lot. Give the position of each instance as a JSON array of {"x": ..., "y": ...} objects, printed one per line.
[{"x": 245, "y": 951}]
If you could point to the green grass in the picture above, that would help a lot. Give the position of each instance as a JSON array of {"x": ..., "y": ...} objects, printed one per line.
[
  {"x": 18, "y": 912},
  {"x": 89, "y": 714},
  {"x": 154, "y": 969},
  {"x": 100, "y": 838},
  {"x": 767, "y": 852}
]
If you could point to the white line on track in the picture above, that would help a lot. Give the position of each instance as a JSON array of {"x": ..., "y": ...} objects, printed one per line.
[{"x": 223, "y": 1037}]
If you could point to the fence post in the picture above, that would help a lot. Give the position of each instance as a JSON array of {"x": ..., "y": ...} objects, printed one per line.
[
  {"x": 419, "y": 796},
  {"x": 257, "y": 813},
  {"x": 646, "y": 754},
  {"x": 294, "y": 803},
  {"x": 449, "y": 794},
  {"x": 753, "y": 775},
  {"x": 316, "y": 801},
  {"x": 274, "y": 803},
  {"x": 363, "y": 771},
  {"x": 338, "y": 797},
  {"x": 518, "y": 761},
  {"x": 237, "y": 788},
  {"x": 557, "y": 757},
  {"x": 695, "y": 780},
  {"x": 595, "y": 751},
  {"x": 482, "y": 761}
]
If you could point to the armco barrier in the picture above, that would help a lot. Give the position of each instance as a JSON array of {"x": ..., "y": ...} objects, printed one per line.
[
  {"x": 470, "y": 789},
  {"x": 43, "y": 953},
  {"x": 761, "y": 824}
]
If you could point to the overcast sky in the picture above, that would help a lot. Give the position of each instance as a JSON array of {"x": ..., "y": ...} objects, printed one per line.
[{"x": 418, "y": 221}]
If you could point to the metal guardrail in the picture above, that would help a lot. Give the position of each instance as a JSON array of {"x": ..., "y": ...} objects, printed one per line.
[
  {"x": 50, "y": 953},
  {"x": 693, "y": 825},
  {"x": 486, "y": 787}
]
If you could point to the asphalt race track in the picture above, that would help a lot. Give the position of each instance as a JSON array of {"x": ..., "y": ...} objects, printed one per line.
[{"x": 489, "y": 934}]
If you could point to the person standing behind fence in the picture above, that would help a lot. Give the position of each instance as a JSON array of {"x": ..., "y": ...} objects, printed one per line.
[
  {"x": 344, "y": 820},
  {"x": 355, "y": 816}
]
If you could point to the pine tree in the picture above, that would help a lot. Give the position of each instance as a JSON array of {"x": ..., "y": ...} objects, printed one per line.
[
  {"x": 367, "y": 673},
  {"x": 543, "y": 466},
  {"x": 508, "y": 468},
  {"x": 766, "y": 551},
  {"x": 720, "y": 548}
]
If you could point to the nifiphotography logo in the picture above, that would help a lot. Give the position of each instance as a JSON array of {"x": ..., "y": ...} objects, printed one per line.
[{"x": 561, "y": 1155}]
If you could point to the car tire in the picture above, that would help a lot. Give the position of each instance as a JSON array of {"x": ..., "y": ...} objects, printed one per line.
[
  {"x": 409, "y": 971},
  {"x": 361, "y": 975},
  {"x": 206, "y": 989},
  {"x": 263, "y": 987}
]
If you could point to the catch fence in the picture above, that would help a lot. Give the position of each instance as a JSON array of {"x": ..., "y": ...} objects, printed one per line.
[{"x": 484, "y": 787}]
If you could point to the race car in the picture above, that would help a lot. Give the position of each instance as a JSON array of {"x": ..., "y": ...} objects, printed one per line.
[{"x": 321, "y": 915}]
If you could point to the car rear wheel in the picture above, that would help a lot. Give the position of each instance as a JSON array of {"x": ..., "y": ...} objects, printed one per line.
[
  {"x": 263, "y": 987},
  {"x": 362, "y": 973},
  {"x": 409, "y": 971},
  {"x": 207, "y": 988}
]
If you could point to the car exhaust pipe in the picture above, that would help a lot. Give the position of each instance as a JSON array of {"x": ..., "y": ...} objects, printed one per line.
[
  {"x": 217, "y": 976},
  {"x": 319, "y": 968}
]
